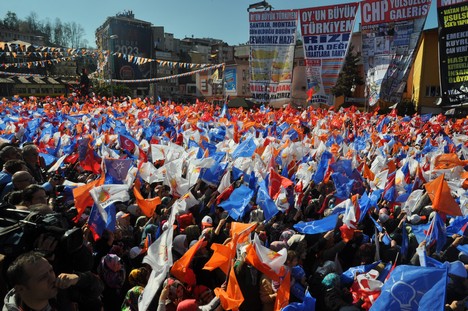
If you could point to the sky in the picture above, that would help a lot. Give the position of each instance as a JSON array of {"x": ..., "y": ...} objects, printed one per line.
[{"x": 226, "y": 20}]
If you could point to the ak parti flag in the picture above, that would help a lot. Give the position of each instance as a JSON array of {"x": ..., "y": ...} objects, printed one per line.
[
  {"x": 282, "y": 296},
  {"x": 147, "y": 206},
  {"x": 242, "y": 230},
  {"x": 83, "y": 198},
  {"x": 222, "y": 254},
  {"x": 367, "y": 173},
  {"x": 442, "y": 200},
  {"x": 448, "y": 160},
  {"x": 179, "y": 268},
  {"x": 232, "y": 297},
  {"x": 310, "y": 94}
]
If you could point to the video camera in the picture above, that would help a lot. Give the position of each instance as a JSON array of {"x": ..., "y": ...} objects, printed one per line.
[{"x": 20, "y": 229}]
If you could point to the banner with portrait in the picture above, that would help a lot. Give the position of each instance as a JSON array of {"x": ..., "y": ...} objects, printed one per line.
[
  {"x": 453, "y": 51},
  {"x": 326, "y": 32},
  {"x": 272, "y": 42},
  {"x": 391, "y": 30}
]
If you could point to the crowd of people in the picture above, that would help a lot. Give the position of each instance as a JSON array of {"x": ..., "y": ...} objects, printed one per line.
[{"x": 126, "y": 204}]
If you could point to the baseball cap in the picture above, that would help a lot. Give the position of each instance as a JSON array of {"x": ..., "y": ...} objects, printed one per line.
[
  {"x": 121, "y": 214},
  {"x": 207, "y": 222}
]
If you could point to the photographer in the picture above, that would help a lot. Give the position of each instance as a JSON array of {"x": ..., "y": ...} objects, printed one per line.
[{"x": 36, "y": 287}]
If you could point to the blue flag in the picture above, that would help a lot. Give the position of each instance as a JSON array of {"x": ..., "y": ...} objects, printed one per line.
[
  {"x": 364, "y": 203},
  {"x": 265, "y": 202},
  {"x": 237, "y": 202},
  {"x": 307, "y": 305},
  {"x": 343, "y": 185},
  {"x": 322, "y": 167},
  {"x": 117, "y": 170},
  {"x": 317, "y": 226},
  {"x": 96, "y": 220},
  {"x": 436, "y": 233},
  {"x": 245, "y": 149},
  {"x": 343, "y": 166},
  {"x": 413, "y": 288}
]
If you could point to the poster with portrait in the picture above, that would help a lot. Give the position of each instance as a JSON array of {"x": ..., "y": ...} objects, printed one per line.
[
  {"x": 326, "y": 32},
  {"x": 390, "y": 34}
]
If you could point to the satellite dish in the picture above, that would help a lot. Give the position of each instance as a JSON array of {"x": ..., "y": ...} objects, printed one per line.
[{"x": 438, "y": 101}]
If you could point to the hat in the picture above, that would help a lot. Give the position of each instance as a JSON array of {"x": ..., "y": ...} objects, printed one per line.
[
  {"x": 207, "y": 222},
  {"x": 134, "y": 252},
  {"x": 121, "y": 215},
  {"x": 187, "y": 305},
  {"x": 296, "y": 238},
  {"x": 133, "y": 209}
]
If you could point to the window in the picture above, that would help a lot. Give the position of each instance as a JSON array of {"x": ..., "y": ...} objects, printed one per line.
[{"x": 432, "y": 91}]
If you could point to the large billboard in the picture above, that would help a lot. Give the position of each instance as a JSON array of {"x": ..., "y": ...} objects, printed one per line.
[
  {"x": 272, "y": 41},
  {"x": 453, "y": 51},
  {"x": 326, "y": 32},
  {"x": 390, "y": 34},
  {"x": 133, "y": 40}
]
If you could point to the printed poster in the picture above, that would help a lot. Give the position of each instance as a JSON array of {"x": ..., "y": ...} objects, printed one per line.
[
  {"x": 326, "y": 32},
  {"x": 230, "y": 78},
  {"x": 272, "y": 41},
  {"x": 453, "y": 51},
  {"x": 390, "y": 34}
]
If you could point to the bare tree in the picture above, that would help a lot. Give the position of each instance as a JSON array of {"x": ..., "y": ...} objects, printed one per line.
[
  {"x": 58, "y": 32},
  {"x": 11, "y": 20},
  {"x": 33, "y": 21}
]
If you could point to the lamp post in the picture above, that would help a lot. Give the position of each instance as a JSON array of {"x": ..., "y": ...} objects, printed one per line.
[{"x": 111, "y": 66}]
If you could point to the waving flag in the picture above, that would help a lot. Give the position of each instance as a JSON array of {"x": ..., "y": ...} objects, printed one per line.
[
  {"x": 116, "y": 170},
  {"x": 238, "y": 201},
  {"x": 82, "y": 196},
  {"x": 322, "y": 167},
  {"x": 348, "y": 276},
  {"x": 159, "y": 257},
  {"x": 276, "y": 182},
  {"x": 265, "y": 202},
  {"x": 179, "y": 268},
  {"x": 245, "y": 149},
  {"x": 436, "y": 234},
  {"x": 317, "y": 226},
  {"x": 307, "y": 305},
  {"x": 222, "y": 254},
  {"x": 442, "y": 200},
  {"x": 232, "y": 297},
  {"x": 413, "y": 288},
  {"x": 343, "y": 185},
  {"x": 147, "y": 206},
  {"x": 265, "y": 260}
]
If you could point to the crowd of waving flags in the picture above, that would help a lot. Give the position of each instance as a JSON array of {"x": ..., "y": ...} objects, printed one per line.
[{"x": 276, "y": 153}]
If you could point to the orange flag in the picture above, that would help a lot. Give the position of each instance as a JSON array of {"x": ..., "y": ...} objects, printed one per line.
[
  {"x": 391, "y": 166},
  {"x": 242, "y": 230},
  {"x": 179, "y": 268},
  {"x": 253, "y": 259},
  {"x": 232, "y": 297},
  {"x": 448, "y": 160},
  {"x": 147, "y": 206},
  {"x": 368, "y": 173},
  {"x": 220, "y": 259},
  {"x": 282, "y": 296},
  {"x": 82, "y": 197},
  {"x": 442, "y": 200}
]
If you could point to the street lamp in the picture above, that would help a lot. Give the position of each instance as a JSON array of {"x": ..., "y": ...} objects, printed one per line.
[{"x": 111, "y": 67}]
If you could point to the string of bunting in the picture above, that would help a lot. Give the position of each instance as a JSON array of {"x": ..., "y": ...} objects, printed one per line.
[
  {"x": 168, "y": 77},
  {"x": 17, "y": 50},
  {"x": 38, "y": 62}
]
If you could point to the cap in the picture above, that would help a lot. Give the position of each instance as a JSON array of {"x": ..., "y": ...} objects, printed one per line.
[
  {"x": 121, "y": 214},
  {"x": 296, "y": 238},
  {"x": 207, "y": 222},
  {"x": 134, "y": 252},
  {"x": 133, "y": 209}
]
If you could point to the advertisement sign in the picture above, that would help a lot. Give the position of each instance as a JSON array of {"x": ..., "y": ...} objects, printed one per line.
[
  {"x": 453, "y": 51},
  {"x": 326, "y": 32},
  {"x": 230, "y": 79},
  {"x": 272, "y": 41},
  {"x": 133, "y": 40},
  {"x": 390, "y": 34}
]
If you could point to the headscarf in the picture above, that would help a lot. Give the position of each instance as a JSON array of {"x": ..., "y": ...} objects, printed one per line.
[{"x": 178, "y": 245}]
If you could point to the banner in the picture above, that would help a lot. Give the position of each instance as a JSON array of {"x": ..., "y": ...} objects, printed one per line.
[
  {"x": 326, "y": 32},
  {"x": 453, "y": 51},
  {"x": 272, "y": 41},
  {"x": 230, "y": 79},
  {"x": 390, "y": 34}
]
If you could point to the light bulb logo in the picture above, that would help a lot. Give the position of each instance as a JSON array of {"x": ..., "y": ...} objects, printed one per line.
[{"x": 404, "y": 294}]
